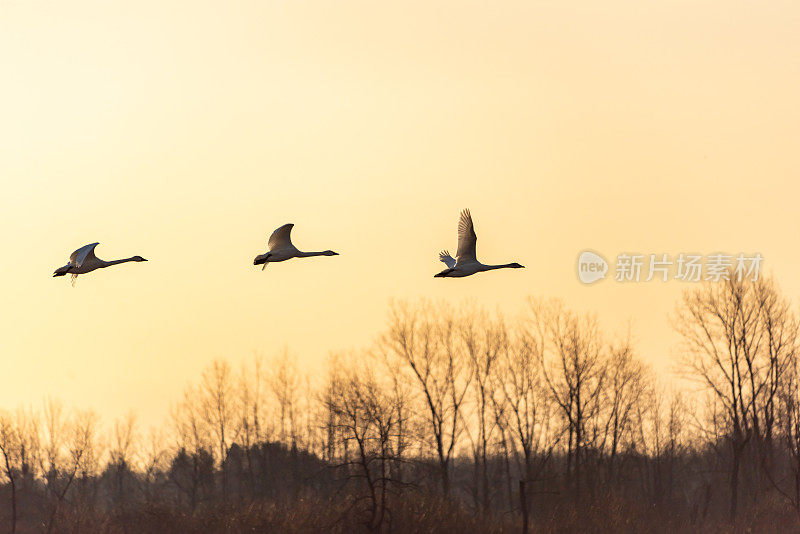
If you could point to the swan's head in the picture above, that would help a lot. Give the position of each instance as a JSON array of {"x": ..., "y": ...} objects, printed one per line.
[
  {"x": 138, "y": 258},
  {"x": 516, "y": 266},
  {"x": 330, "y": 253}
]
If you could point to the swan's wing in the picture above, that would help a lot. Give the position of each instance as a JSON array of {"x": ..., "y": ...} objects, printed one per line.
[
  {"x": 281, "y": 237},
  {"x": 82, "y": 254},
  {"x": 447, "y": 259},
  {"x": 466, "y": 238}
]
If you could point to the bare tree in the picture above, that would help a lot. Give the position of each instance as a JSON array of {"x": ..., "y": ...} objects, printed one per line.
[
  {"x": 624, "y": 397},
  {"x": 80, "y": 459},
  {"x": 780, "y": 326},
  {"x": 122, "y": 458},
  {"x": 10, "y": 445},
  {"x": 284, "y": 383},
  {"x": 248, "y": 405},
  {"x": 193, "y": 445},
  {"x": 525, "y": 409},
  {"x": 659, "y": 435},
  {"x": 738, "y": 342},
  {"x": 249, "y": 408},
  {"x": 327, "y": 400},
  {"x": 87, "y": 449},
  {"x": 218, "y": 410},
  {"x": 366, "y": 417},
  {"x": 574, "y": 372},
  {"x": 482, "y": 339},
  {"x": 425, "y": 342},
  {"x": 153, "y": 463}
]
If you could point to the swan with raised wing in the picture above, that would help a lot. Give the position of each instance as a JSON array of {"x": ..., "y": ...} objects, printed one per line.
[
  {"x": 84, "y": 261},
  {"x": 280, "y": 248},
  {"x": 466, "y": 263}
]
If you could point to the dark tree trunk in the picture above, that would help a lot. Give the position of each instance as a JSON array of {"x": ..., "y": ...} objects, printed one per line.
[
  {"x": 734, "y": 482},
  {"x": 13, "y": 505},
  {"x": 523, "y": 504}
]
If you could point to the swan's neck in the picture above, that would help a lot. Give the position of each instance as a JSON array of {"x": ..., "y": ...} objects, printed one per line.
[
  {"x": 116, "y": 262},
  {"x": 310, "y": 254},
  {"x": 503, "y": 266}
]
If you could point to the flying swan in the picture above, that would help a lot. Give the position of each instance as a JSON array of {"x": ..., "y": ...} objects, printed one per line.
[
  {"x": 465, "y": 263},
  {"x": 280, "y": 248},
  {"x": 84, "y": 261}
]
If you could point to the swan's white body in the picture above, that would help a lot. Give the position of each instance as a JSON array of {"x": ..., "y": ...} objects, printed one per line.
[
  {"x": 280, "y": 248},
  {"x": 84, "y": 261},
  {"x": 466, "y": 262}
]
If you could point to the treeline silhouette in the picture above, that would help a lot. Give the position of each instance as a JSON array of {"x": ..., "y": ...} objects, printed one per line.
[{"x": 454, "y": 420}]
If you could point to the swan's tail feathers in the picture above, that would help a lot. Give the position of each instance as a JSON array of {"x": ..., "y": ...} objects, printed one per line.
[
  {"x": 74, "y": 279},
  {"x": 443, "y": 274},
  {"x": 261, "y": 259}
]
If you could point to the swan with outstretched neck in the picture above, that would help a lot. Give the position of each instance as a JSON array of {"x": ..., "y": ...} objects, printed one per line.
[
  {"x": 466, "y": 263},
  {"x": 84, "y": 261},
  {"x": 280, "y": 248}
]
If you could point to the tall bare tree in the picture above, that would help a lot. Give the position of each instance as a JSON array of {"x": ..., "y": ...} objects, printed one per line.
[
  {"x": 738, "y": 341},
  {"x": 284, "y": 381},
  {"x": 122, "y": 458},
  {"x": 483, "y": 339},
  {"x": 193, "y": 446},
  {"x": 625, "y": 395},
  {"x": 574, "y": 370},
  {"x": 525, "y": 409},
  {"x": 10, "y": 445},
  {"x": 424, "y": 341},
  {"x": 366, "y": 417}
]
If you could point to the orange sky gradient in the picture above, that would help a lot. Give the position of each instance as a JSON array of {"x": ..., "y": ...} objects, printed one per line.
[{"x": 187, "y": 131}]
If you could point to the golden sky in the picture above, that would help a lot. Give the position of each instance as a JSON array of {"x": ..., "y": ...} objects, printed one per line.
[{"x": 187, "y": 131}]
